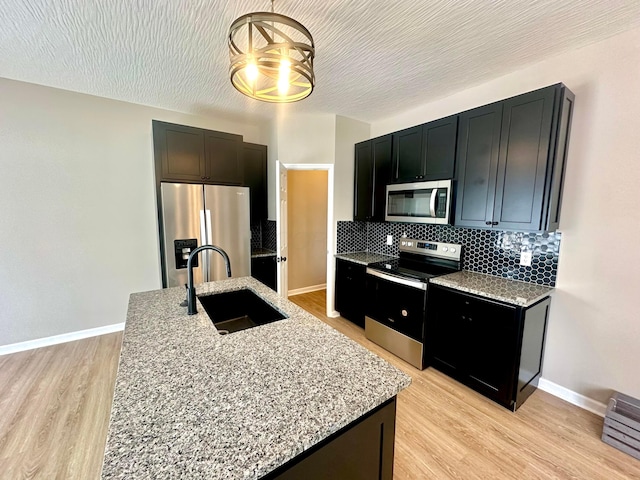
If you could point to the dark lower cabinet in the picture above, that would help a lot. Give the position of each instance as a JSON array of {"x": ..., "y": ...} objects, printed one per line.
[
  {"x": 363, "y": 450},
  {"x": 492, "y": 347},
  {"x": 264, "y": 270},
  {"x": 350, "y": 290}
]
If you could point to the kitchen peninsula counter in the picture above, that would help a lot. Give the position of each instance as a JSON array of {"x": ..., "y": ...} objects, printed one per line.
[{"x": 191, "y": 403}]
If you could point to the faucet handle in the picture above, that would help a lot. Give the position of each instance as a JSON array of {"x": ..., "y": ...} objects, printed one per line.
[{"x": 185, "y": 302}]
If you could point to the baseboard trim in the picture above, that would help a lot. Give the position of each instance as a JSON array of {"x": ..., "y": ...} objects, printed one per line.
[
  {"x": 572, "y": 397},
  {"x": 63, "y": 338},
  {"x": 312, "y": 288},
  {"x": 333, "y": 314}
]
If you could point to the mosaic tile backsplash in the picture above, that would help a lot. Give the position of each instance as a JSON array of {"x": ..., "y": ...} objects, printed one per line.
[
  {"x": 492, "y": 252},
  {"x": 269, "y": 235},
  {"x": 256, "y": 236}
]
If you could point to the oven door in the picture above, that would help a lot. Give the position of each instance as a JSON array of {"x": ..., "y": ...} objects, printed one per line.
[{"x": 397, "y": 303}]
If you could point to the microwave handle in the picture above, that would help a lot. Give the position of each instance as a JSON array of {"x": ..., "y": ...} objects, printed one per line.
[{"x": 432, "y": 203}]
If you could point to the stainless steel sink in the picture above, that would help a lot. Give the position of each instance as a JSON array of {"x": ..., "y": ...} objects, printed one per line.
[{"x": 238, "y": 310}]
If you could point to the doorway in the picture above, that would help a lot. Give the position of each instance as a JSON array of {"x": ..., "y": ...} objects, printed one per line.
[
  {"x": 303, "y": 217},
  {"x": 307, "y": 232}
]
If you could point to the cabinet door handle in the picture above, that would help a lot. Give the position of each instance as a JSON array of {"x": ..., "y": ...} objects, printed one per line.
[
  {"x": 494, "y": 223},
  {"x": 202, "y": 178},
  {"x": 489, "y": 223}
]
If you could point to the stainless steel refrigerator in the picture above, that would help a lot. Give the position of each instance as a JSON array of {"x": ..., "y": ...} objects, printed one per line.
[{"x": 195, "y": 215}]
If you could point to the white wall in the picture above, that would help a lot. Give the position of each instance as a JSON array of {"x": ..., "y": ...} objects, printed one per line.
[
  {"x": 320, "y": 139},
  {"x": 299, "y": 138},
  {"x": 78, "y": 221},
  {"x": 593, "y": 340}
]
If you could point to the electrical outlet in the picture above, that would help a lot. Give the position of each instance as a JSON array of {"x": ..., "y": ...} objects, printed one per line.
[
  {"x": 525, "y": 259},
  {"x": 389, "y": 239}
]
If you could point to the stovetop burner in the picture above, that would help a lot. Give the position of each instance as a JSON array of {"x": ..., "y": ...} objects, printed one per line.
[{"x": 422, "y": 260}]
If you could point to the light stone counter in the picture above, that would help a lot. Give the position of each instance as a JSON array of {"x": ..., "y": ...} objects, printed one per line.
[
  {"x": 190, "y": 403},
  {"x": 496, "y": 288},
  {"x": 363, "y": 258},
  {"x": 262, "y": 252}
]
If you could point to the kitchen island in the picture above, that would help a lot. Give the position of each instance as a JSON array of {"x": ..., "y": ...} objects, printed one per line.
[{"x": 190, "y": 402}]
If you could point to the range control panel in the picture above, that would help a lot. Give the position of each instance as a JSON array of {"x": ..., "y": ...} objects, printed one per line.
[{"x": 433, "y": 249}]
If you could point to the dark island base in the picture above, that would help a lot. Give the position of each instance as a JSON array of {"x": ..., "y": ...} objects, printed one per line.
[{"x": 360, "y": 451}]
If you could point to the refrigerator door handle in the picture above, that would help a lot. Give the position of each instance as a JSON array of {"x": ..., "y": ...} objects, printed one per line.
[
  {"x": 205, "y": 258},
  {"x": 209, "y": 242}
]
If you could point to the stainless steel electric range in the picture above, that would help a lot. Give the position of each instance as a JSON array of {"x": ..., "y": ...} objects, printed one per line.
[{"x": 396, "y": 296}]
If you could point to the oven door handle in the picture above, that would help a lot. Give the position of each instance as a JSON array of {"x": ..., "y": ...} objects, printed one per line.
[
  {"x": 403, "y": 281},
  {"x": 432, "y": 203}
]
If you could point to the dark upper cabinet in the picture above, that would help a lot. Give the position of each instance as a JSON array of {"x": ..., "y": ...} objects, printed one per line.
[
  {"x": 512, "y": 178},
  {"x": 255, "y": 177},
  {"x": 478, "y": 145},
  {"x": 494, "y": 348},
  {"x": 425, "y": 152},
  {"x": 363, "y": 177},
  {"x": 371, "y": 175},
  {"x": 439, "y": 148},
  {"x": 407, "y": 155},
  {"x": 382, "y": 151},
  {"x": 223, "y": 152},
  {"x": 179, "y": 151},
  {"x": 188, "y": 154}
]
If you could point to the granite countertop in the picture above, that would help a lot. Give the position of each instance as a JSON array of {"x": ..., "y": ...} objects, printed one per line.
[
  {"x": 496, "y": 288},
  {"x": 363, "y": 258},
  {"x": 190, "y": 403},
  {"x": 262, "y": 252}
]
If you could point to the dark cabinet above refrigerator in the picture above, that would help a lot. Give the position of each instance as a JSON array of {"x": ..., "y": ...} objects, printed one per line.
[
  {"x": 189, "y": 154},
  {"x": 194, "y": 155}
]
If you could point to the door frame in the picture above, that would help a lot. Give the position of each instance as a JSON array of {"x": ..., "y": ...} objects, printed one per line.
[{"x": 331, "y": 227}]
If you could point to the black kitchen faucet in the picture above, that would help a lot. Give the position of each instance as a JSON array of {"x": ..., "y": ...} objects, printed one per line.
[{"x": 191, "y": 290}]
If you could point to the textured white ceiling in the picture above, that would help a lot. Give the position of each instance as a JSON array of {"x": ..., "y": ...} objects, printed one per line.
[{"x": 374, "y": 58}]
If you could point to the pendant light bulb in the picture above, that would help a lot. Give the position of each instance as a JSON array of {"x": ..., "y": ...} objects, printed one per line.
[
  {"x": 251, "y": 71},
  {"x": 283, "y": 78}
]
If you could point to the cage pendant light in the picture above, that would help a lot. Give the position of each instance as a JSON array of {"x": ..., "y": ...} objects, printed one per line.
[{"x": 271, "y": 57}]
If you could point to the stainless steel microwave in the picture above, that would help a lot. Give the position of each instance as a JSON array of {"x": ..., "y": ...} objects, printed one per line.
[{"x": 420, "y": 202}]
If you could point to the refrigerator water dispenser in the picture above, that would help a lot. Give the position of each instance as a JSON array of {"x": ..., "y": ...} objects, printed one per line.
[{"x": 182, "y": 249}]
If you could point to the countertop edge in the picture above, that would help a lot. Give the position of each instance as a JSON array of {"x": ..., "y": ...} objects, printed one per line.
[{"x": 511, "y": 300}]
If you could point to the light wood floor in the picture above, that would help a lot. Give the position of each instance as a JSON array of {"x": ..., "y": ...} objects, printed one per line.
[
  {"x": 55, "y": 404},
  {"x": 445, "y": 430},
  {"x": 54, "y": 409}
]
